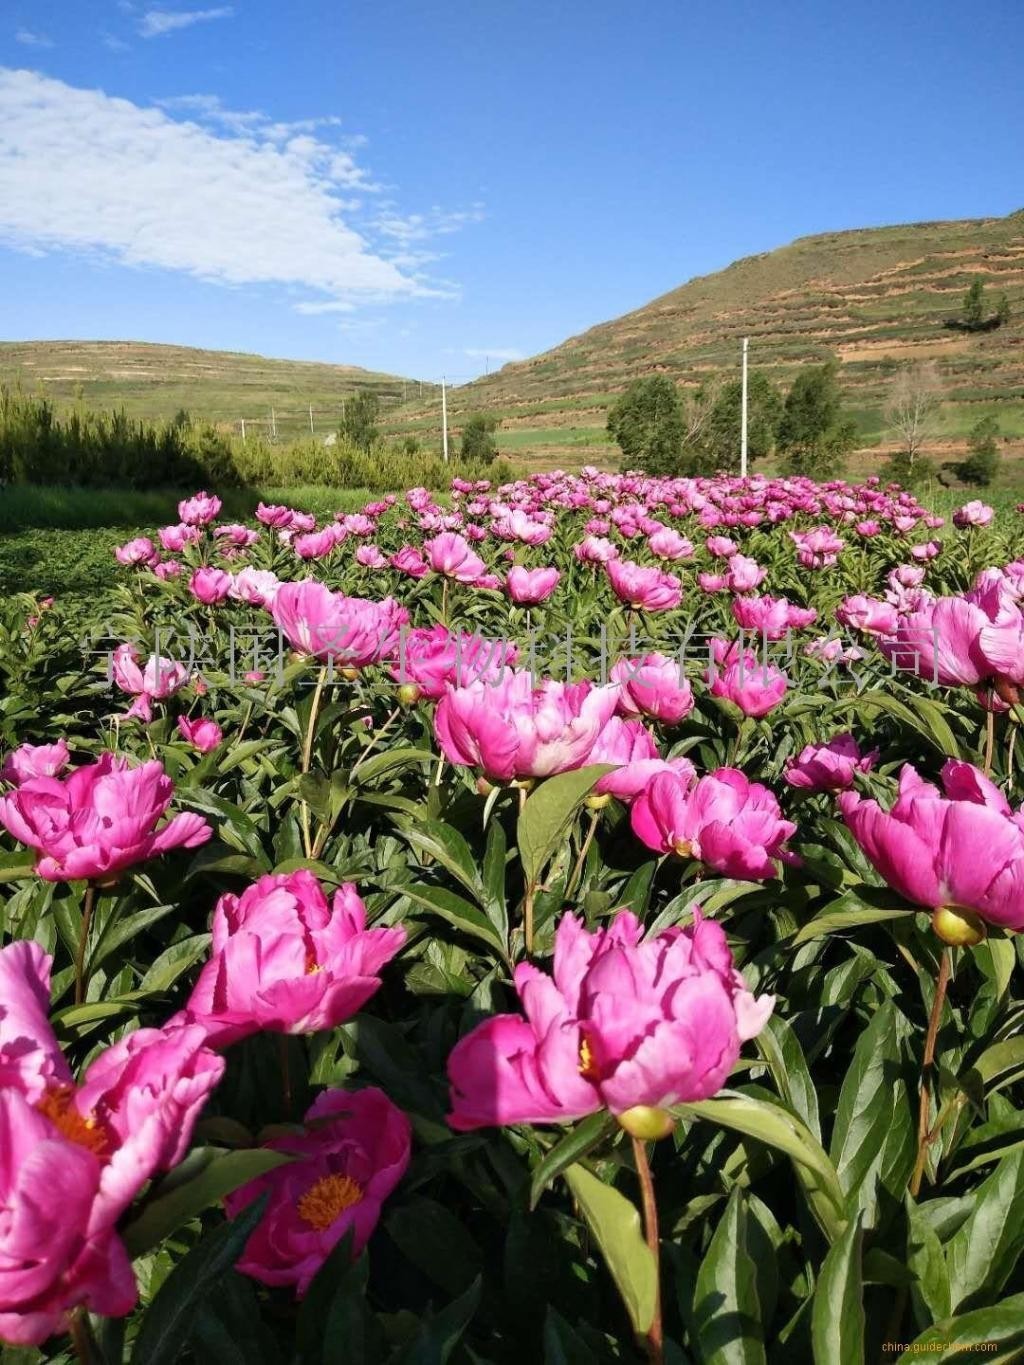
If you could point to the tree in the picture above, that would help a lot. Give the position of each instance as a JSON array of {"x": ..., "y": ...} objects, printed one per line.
[
  {"x": 974, "y": 305},
  {"x": 912, "y": 406},
  {"x": 359, "y": 423},
  {"x": 478, "y": 443},
  {"x": 719, "y": 444},
  {"x": 983, "y": 460},
  {"x": 647, "y": 424},
  {"x": 814, "y": 435},
  {"x": 1002, "y": 310}
]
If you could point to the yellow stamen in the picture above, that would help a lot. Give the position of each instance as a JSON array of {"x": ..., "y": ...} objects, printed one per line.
[
  {"x": 588, "y": 1066},
  {"x": 327, "y": 1200},
  {"x": 58, "y": 1105}
]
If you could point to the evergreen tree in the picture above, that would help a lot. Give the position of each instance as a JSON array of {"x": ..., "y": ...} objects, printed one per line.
[
  {"x": 814, "y": 436},
  {"x": 648, "y": 425},
  {"x": 478, "y": 443},
  {"x": 359, "y": 423},
  {"x": 974, "y": 305},
  {"x": 983, "y": 458}
]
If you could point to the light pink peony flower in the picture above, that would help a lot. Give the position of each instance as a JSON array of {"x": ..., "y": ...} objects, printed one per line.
[
  {"x": 829, "y": 767},
  {"x": 961, "y": 848},
  {"x": 667, "y": 543},
  {"x": 728, "y": 822},
  {"x": 974, "y": 513},
  {"x": 745, "y": 574},
  {"x": 510, "y": 728},
  {"x": 137, "y": 551},
  {"x": 869, "y": 614},
  {"x": 653, "y": 686},
  {"x": 650, "y": 589},
  {"x": 595, "y": 550},
  {"x": 352, "y": 1154},
  {"x": 98, "y": 820},
  {"x": 258, "y": 586},
  {"x": 530, "y": 586},
  {"x": 624, "y": 1022},
  {"x": 73, "y": 1157},
  {"x": 34, "y": 760},
  {"x": 282, "y": 959},
  {"x": 158, "y": 680}
]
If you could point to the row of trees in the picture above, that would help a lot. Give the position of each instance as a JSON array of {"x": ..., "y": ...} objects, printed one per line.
[
  {"x": 659, "y": 430},
  {"x": 359, "y": 428}
]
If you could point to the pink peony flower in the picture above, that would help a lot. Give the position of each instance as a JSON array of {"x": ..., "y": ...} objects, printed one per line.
[
  {"x": 595, "y": 550},
  {"x": 653, "y": 686},
  {"x": 630, "y": 745},
  {"x": 432, "y": 659},
  {"x": 830, "y": 766},
  {"x": 745, "y": 574},
  {"x": 451, "y": 554},
  {"x": 199, "y": 510},
  {"x": 175, "y": 538},
  {"x": 350, "y": 631},
  {"x": 280, "y": 518},
  {"x": 721, "y": 547},
  {"x": 530, "y": 586},
  {"x": 624, "y": 1022},
  {"x": 370, "y": 557},
  {"x": 818, "y": 548},
  {"x": 210, "y": 586},
  {"x": 667, "y": 543},
  {"x": 409, "y": 561},
  {"x": 282, "y": 959},
  {"x": 960, "y": 849},
  {"x": 158, "y": 680},
  {"x": 974, "y": 513},
  {"x": 731, "y": 824},
  {"x": 511, "y": 729},
  {"x": 237, "y": 535},
  {"x": 34, "y": 760},
  {"x": 771, "y": 617},
  {"x": 868, "y": 614},
  {"x": 73, "y": 1157},
  {"x": 353, "y": 1152},
  {"x": 137, "y": 551},
  {"x": 650, "y": 589},
  {"x": 98, "y": 820},
  {"x": 258, "y": 586},
  {"x": 202, "y": 733},
  {"x": 738, "y": 677}
]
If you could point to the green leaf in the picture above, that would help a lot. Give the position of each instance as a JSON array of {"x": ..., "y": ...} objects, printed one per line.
[
  {"x": 780, "y": 1047},
  {"x": 837, "y": 1312},
  {"x": 848, "y": 911},
  {"x": 615, "y": 1225},
  {"x": 446, "y": 845},
  {"x": 548, "y": 812},
  {"x": 164, "y": 1331},
  {"x": 577, "y": 1142},
  {"x": 982, "y": 1253},
  {"x": 771, "y": 1124},
  {"x": 926, "y": 1259},
  {"x": 459, "y": 912},
  {"x": 387, "y": 761},
  {"x": 441, "y": 1333},
  {"x": 727, "y": 1314},
  {"x": 999, "y": 1065},
  {"x": 173, "y": 962},
  {"x": 997, "y": 1332},
  {"x": 15, "y": 866},
  {"x": 436, "y": 1242},
  {"x": 207, "y": 1175}
]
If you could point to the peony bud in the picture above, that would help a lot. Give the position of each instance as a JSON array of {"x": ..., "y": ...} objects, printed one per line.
[
  {"x": 647, "y": 1123},
  {"x": 958, "y": 927}
]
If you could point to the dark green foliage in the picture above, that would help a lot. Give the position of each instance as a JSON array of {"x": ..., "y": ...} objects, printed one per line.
[
  {"x": 478, "y": 443},
  {"x": 647, "y": 424},
  {"x": 814, "y": 436},
  {"x": 718, "y": 446},
  {"x": 359, "y": 424},
  {"x": 983, "y": 459},
  {"x": 974, "y": 304}
]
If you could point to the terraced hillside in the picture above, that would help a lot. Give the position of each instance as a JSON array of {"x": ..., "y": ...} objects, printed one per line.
[
  {"x": 875, "y": 297},
  {"x": 154, "y": 382}
]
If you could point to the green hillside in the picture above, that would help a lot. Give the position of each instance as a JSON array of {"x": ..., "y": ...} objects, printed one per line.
[
  {"x": 154, "y": 382},
  {"x": 874, "y": 297}
]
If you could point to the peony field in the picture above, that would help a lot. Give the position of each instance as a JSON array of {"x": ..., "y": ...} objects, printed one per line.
[{"x": 572, "y": 921}]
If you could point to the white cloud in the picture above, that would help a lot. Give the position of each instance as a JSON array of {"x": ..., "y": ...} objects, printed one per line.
[
  {"x": 245, "y": 203},
  {"x": 155, "y": 23},
  {"x": 27, "y": 38},
  {"x": 493, "y": 353}
]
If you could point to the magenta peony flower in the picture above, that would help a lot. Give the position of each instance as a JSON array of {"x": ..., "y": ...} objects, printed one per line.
[
  {"x": 73, "y": 1157},
  {"x": 530, "y": 586},
  {"x": 175, "y": 538},
  {"x": 650, "y": 589},
  {"x": 977, "y": 637},
  {"x": 409, "y": 561},
  {"x": 452, "y": 555},
  {"x": 739, "y": 677},
  {"x": 352, "y": 1154},
  {"x": 512, "y": 729},
  {"x": 625, "y": 1022},
  {"x": 667, "y": 543},
  {"x": 280, "y": 518},
  {"x": 829, "y": 767},
  {"x": 137, "y": 551},
  {"x": 98, "y": 820},
  {"x": 157, "y": 681},
  {"x": 869, "y": 614},
  {"x": 202, "y": 733},
  {"x": 630, "y": 745},
  {"x": 653, "y": 686},
  {"x": 34, "y": 760},
  {"x": 731, "y": 824},
  {"x": 771, "y": 617},
  {"x": 282, "y": 959},
  {"x": 350, "y": 631},
  {"x": 432, "y": 659},
  {"x": 199, "y": 510},
  {"x": 210, "y": 586},
  {"x": 961, "y": 849}
]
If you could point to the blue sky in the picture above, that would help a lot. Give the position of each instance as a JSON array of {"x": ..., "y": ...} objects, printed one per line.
[{"x": 427, "y": 187}]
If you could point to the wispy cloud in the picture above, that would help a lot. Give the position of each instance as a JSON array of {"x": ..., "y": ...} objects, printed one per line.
[
  {"x": 493, "y": 353},
  {"x": 241, "y": 200},
  {"x": 28, "y": 38},
  {"x": 155, "y": 23}
]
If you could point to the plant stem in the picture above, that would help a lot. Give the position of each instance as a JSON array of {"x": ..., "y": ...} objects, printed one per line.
[
  {"x": 925, "y": 1134},
  {"x": 81, "y": 1338},
  {"x": 595, "y": 817},
  {"x": 81, "y": 980},
  {"x": 655, "y": 1337},
  {"x": 377, "y": 736},
  {"x": 286, "y": 1073},
  {"x": 307, "y": 751},
  {"x": 990, "y": 737}
]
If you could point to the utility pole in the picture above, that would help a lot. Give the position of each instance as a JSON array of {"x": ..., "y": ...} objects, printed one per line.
[
  {"x": 273, "y": 424},
  {"x": 444, "y": 419},
  {"x": 243, "y": 431},
  {"x": 311, "y": 431},
  {"x": 743, "y": 413}
]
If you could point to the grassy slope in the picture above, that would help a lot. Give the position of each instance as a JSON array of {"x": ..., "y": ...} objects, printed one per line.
[
  {"x": 154, "y": 382},
  {"x": 874, "y": 297}
]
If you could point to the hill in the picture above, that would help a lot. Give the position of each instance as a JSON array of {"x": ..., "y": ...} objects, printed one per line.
[
  {"x": 155, "y": 382},
  {"x": 874, "y": 297}
]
